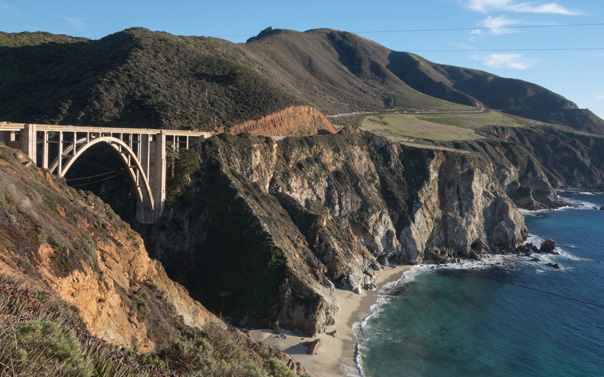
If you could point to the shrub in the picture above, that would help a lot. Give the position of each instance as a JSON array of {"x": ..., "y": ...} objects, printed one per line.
[{"x": 41, "y": 347}]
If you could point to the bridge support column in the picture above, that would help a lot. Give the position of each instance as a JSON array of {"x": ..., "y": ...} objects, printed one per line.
[
  {"x": 158, "y": 175},
  {"x": 28, "y": 141},
  {"x": 45, "y": 150}
]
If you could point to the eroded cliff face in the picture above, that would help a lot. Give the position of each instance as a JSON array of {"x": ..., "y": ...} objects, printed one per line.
[
  {"x": 268, "y": 228},
  {"x": 568, "y": 159},
  {"x": 462, "y": 210},
  {"x": 73, "y": 244},
  {"x": 295, "y": 120},
  {"x": 519, "y": 172}
]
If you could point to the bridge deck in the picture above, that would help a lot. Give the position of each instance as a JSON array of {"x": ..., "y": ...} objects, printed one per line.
[{"x": 7, "y": 126}]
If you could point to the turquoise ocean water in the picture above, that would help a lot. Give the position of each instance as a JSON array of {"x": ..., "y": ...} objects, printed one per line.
[{"x": 493, "y": 318}]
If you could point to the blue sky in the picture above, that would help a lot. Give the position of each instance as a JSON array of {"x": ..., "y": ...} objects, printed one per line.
[{"x": 399, "y": 25}]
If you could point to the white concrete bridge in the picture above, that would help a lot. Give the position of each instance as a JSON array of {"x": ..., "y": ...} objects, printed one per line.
[{"x": 143, "y": 151}]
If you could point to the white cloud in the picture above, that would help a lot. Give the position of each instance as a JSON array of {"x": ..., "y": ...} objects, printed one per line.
[
  {"x": 486, "y": 6},
  {"x": 496, "y": 26},
  {"x": 599, "y": 97},
  {"x": 509, "y": 61}
]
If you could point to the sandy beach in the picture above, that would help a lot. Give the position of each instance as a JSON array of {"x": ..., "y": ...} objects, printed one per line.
[{"x": 336, "y": 353}]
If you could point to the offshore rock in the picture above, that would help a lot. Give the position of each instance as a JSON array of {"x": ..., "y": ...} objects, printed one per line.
[{"x": 548, "y": 246}]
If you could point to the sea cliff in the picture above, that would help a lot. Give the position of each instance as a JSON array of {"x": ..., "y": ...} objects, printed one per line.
[{"x": 267, "y": 229}]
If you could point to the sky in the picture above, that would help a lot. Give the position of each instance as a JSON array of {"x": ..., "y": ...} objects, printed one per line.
[{"x": 558, "y": 44}]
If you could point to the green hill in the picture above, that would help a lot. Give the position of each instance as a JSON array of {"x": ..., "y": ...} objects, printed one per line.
[{"x": 140, "y": 78}]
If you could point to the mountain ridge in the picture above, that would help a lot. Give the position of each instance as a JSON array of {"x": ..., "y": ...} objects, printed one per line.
[{"x": 141, "y": 78}]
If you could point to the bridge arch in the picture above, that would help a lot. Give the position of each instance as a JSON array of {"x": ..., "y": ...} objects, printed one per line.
[
  {"x": 142, "y": 150},
  {"x": 145, "y": 201}
]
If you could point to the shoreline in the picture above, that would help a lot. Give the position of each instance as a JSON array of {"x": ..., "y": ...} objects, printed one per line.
[{"x": 336, "y": 356}]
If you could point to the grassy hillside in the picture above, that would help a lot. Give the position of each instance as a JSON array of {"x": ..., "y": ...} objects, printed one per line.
[
  {"x": 422, "y": 128},
  {"x": 140, "y": 78},
  {"x": 23, "y": 54}
]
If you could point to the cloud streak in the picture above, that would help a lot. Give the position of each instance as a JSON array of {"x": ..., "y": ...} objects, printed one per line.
[
  {"x": 508, "y": 61},
  {"x": 496, "y": 26},
  {"x": 486, "y": 6},
  {"x": 75, "y": 23}
]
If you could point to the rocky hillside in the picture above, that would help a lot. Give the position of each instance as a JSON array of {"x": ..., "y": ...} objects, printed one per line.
[
  {"x": 267, "y": 229},
  {"x": 71, "y": 245},
  {"x": 569, "y": 160},
  {"x": 295, "y": 120},
  {"x": 139, "y": 78}
]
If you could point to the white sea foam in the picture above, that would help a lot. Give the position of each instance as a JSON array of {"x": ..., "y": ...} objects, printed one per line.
[
  {"x": 562, "y": 252},
  {"x": 391, "y": 290},
  {"x": 577, "y": 203}
]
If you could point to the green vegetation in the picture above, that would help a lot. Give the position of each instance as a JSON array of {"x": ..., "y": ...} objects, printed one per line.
[
  {"x": 25, "y": 53},
  {"x": 186, "y": 162},
  {"x": 139, "y": 78},
  {"x": 408, "y": 128},
  {"x": 428, "y": 130},
  {"x": 41, "y": 335}
]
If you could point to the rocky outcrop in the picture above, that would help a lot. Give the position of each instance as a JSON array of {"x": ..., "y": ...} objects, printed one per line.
[
  {"x": 568, "y": 159},
  {"x": 73, "y": 244},
  {"x": 268, "y": 229},
  {"x": 519, "y": 172},
  {"x": 462, "y": 210},
  {"x": 295, "y": 120}
]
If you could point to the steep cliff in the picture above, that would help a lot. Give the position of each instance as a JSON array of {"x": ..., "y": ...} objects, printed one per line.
[
  {"x": 568, "y": 159},
  {"x": 67, "y": 243},
  {"x": 268, "y": 228},
  {"x": 519, "y": 172},
  {"x": 295, "y": 120}
]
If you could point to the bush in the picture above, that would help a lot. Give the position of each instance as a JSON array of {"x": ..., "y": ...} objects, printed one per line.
[
  {"x": 41, "y": 347},
  {"x": 278, "y": 368}
]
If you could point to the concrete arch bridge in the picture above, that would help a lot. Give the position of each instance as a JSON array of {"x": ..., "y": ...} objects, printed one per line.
[{"x": 143, "y": 152}]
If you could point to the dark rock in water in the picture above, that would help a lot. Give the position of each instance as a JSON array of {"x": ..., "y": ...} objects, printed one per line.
[
  {"x": 548, "y": 246},
  {"x": 535, "y": 260},
  {"x": 554, "y": 265},
  {"x": 523, "y": 250},
  {"x": 601, "y": 208},
  {"x": 595, "y": 207},
  {"x": 313, "y": 347}
]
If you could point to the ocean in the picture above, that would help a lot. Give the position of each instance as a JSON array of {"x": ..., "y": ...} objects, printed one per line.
[{"x": 504, "y": 316}]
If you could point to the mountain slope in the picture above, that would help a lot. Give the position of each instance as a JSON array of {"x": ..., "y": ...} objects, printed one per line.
[
  {"x": 67, "y": 244},
  {"x": 140, "y": 78},
  {"x": 23, "y": 54}
]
